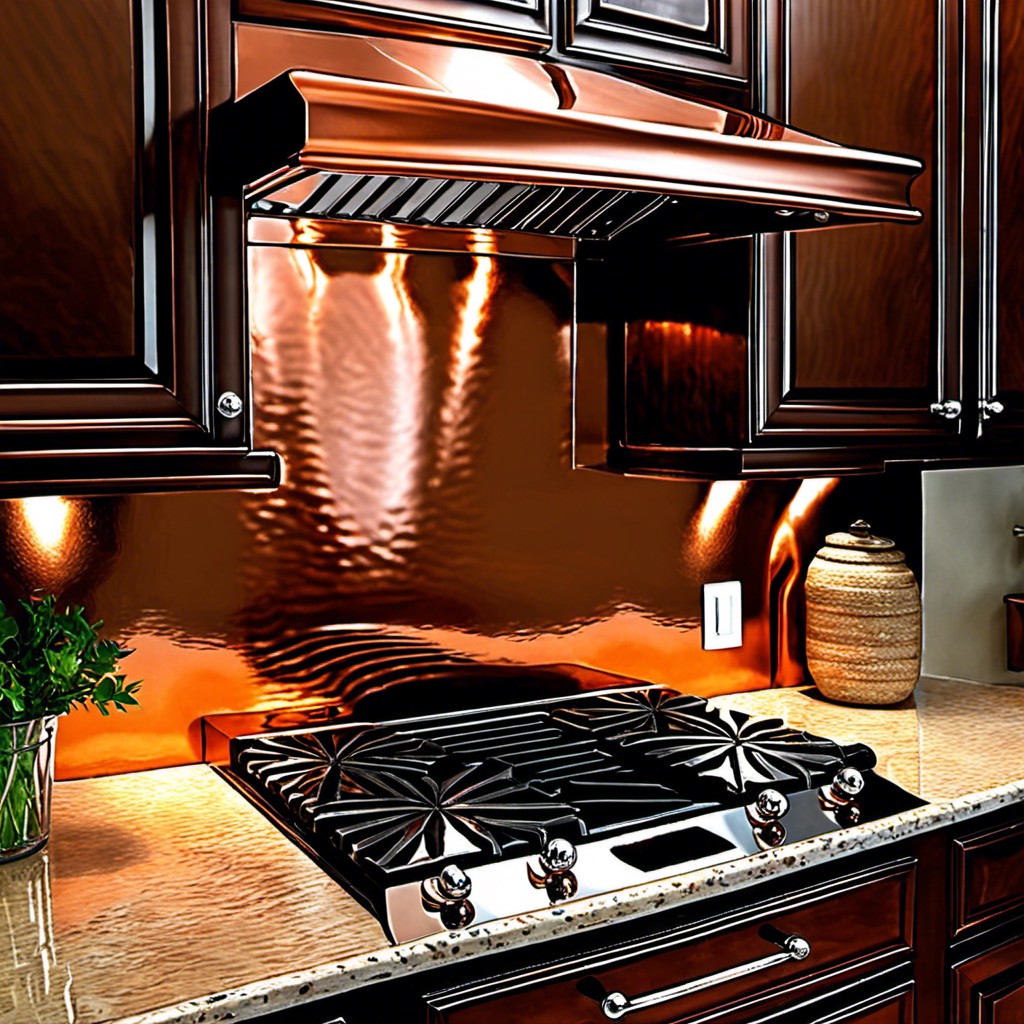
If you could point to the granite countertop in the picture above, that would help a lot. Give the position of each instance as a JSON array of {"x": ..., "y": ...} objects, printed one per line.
[{"x": 165, "y": 896}]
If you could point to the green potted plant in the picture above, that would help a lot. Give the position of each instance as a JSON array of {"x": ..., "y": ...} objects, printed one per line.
[{"x": 50, "y": 662}]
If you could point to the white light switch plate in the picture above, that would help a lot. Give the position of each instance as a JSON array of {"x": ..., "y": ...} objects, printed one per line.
[{"x": 723, "y": 615}]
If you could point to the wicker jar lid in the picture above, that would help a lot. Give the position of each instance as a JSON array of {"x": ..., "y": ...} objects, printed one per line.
[{"x": 861, "y": 546}]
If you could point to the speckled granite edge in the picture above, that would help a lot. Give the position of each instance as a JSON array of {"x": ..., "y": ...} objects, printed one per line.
[{"x": 331, "y": 979}]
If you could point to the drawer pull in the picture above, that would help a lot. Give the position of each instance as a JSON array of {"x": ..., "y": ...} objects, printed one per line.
[{"x": 617, "y": 1005}]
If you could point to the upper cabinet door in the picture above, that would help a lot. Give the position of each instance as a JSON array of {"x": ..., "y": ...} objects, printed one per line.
[
  {"x": 709, "y": 38},
  {"x": 856, "y": 333},
  {"x": 105, "y": 310},
  {"x": 996, "y": 162},
  {"x": 510, "y": 24}
]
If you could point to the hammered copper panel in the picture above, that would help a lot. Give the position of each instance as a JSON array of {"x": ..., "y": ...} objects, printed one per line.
[
  {"x": 430, "y": 521},
  {"x": 864, "y": 72},
  {"x": 67, "y": 221}
]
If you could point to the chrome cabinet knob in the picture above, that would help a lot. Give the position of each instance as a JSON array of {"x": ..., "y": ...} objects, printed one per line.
[
  {"x": 769, "y": 805},
  {"x": 950, "y": 409},
  {"x": 990, "y": 407},
  {"x": 229, "y": 405}
]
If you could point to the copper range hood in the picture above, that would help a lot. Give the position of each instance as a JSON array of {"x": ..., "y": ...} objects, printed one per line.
[{"x": 332, "y": 127}]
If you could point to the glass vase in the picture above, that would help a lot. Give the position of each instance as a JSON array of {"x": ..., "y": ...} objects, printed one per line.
[{"x": 26, "y": 783}]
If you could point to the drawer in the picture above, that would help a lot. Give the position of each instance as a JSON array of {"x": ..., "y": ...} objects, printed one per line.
[
  {"x": 860, "y": 923},
  {"x": 899, "y": 1010},
  {"x": 988, "y": 876},
  {"x": 989, "y": 989}
]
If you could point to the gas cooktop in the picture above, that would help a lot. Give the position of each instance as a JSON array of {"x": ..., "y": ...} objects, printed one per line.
[{"x": 440, "y": 822}]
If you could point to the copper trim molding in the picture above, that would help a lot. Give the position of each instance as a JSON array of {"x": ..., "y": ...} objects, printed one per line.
[{"x": 400, "y": 111}]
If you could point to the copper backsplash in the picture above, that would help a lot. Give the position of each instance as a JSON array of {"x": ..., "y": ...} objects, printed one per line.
[{"x": 429, "y": 517}]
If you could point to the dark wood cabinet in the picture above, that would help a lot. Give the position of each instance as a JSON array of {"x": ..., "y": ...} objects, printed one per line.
[
  {"x": 809, "y": 352},
  {"x": 856, "y": 333},
  {"x": 995, "y": 168},
  {"x": 988, "y": 876},
  {"x": 117, "y": 349},
  {"x": 989, "y": 989},
  {"x": 928, "y": 930},
  {"x": 507, "y": 24},
  {"x": 853, "y": 925},
  {"x": 705, "y": 40},
  {"x": 861, "y": 348},
  {"x": 987, "y": 922},
  {"x": 709, "y": 39}
]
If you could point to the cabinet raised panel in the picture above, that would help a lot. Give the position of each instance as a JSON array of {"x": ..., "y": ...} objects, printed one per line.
[
  {"x": 856, "y": 332},
  {"x": 988, "y": 875},
  {"x": 116, "y": 346},
  {"x": 708, "y": 38},
  {"x": 990, "y": 988},
  {"x": 510, "y": 24}
]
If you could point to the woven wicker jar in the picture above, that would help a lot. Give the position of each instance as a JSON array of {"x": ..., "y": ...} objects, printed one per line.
[{"x": 863, "y": 619}]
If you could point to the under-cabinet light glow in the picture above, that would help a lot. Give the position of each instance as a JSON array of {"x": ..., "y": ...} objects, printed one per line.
[
  {"x": 722, "y": 498},
  {"x": 47, "y": 519}
]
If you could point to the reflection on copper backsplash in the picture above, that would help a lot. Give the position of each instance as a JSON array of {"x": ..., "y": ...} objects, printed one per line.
[
  {"x": 668, "y": 365},
  {"x": 430, "y": 519},
  {"x": 785, "y": 564}
]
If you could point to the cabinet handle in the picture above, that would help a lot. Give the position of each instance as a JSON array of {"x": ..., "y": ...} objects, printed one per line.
[
  {"x": 990, "y": 407},
  {"x": 949, "y": 409},
  {"x": 617, "y": 1005}
]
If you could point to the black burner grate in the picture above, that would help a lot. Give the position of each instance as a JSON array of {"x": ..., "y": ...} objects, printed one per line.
[
  {"x": 714, "y": 754},
  {"x": 742, "y": 752},
  {"x": 306, "y": 769},
  {"x": 452, "y": 810},
  {"x": 633, "y": 712},
  {"x": 608, "y": 793}
]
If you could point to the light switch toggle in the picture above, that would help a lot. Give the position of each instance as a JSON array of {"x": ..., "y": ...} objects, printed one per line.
[{"x": 723, "y": 615}]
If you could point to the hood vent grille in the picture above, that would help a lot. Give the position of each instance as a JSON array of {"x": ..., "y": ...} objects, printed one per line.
[{"x": 501, "y": 206}]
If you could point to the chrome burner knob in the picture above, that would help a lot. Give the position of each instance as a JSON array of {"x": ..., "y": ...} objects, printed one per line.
[
  {"x": 457, "y": 915},
  {"x": 445, "y": 894},
  {"x": 453, "y": 884},
  {"x": 558, "y": 855},
  {"x": 848, "y": 783},
  {"x": 769, "y": 805}
]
